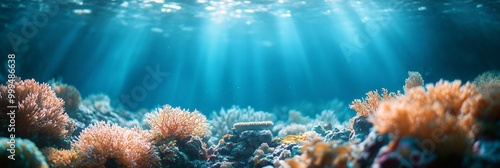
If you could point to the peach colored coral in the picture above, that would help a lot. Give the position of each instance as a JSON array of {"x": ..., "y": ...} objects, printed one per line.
[
  {"x": 169, "y": 122},
  {"x": 102, "y": 143},
  {"x": 39, "y": 112},
  {"x": 442, "y": 113},
  {"x": 368, "y": 105},
  {"x": 59, "y": 158}
]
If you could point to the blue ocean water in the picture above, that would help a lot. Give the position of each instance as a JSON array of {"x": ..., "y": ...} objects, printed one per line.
[{"x": 208, "y": 54}]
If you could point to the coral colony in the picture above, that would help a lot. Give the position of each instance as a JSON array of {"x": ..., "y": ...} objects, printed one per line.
[{"x": 443, "y": 124}]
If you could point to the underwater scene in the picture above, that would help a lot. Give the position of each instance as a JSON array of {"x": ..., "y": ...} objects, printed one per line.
[{"x": 249, "y": 83}]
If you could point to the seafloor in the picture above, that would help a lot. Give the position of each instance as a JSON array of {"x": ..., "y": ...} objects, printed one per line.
[{"x": 443, "y": 124}]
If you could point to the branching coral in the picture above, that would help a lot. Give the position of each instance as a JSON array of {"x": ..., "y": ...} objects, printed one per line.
[
  {"x": 443, "y": 113},
  {"x": 414, "y": 80},
  {"x": 169, "y": 122},
  {"x": 368, "y": 105},
  {"x": 104, "y": 144},
  {"x": 40, "y": 115},
  {"x": 70, "y": 95},
  {"x": 222, "y": 122}
]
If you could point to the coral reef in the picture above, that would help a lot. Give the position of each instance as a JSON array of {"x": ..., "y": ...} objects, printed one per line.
[
  {"x": 222, "y": 122},
  {"x": 180, "y": 124},
  {"x": 237, "y": 149},
  {"x": 365, "y": 108},
  {"x": 98, "y": 107},
  {"x": 26, "y": 154},
  {"x": 102, "y": 144},
  {"x": 190, "y": 153},
  {"x": 40, "y": 115}
]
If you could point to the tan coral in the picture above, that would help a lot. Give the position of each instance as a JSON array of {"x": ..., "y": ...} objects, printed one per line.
[
  {"x": 438, "y": 113},
  {"x": 102, "y": 144},
  {"x": 169, "y": 122}
]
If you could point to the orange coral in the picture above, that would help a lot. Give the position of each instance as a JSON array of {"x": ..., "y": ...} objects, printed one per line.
[
  {"x": 170, "y": 122},
  {"x": 368, "y": 105},
  {"x": 444, "y": 114},
  {"x": 102, "y": 144},
  {"x": 59, "y": 158},
  {"x": 489, "y": 118},
  {"x": 414, "y": 80},
  {"x": 40, "y": 115}
]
